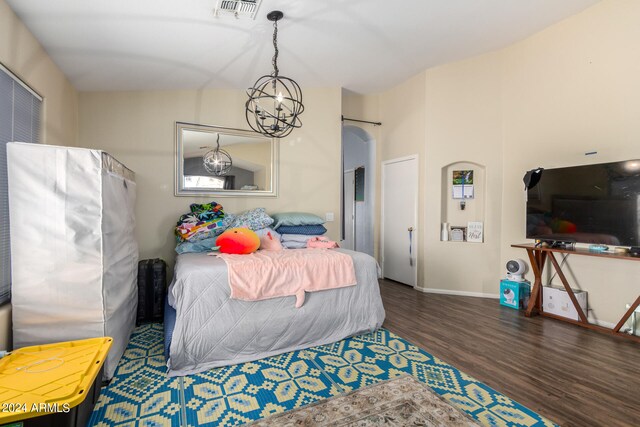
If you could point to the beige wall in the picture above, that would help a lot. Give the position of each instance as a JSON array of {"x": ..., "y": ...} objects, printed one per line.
[
  {"x": 443, "y": 116},
  {"x": 138, "y": 129},
  {"x": 463, "y": 124},
  {"x": 361, "y": 107},
  {"x": 571, "y": 89},
  {"x": 545, "y": 101},
  {"x": 24, "y": 56}
]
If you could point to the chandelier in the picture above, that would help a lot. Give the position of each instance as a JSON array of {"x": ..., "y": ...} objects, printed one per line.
[
  {"x": 217, "y": 162},
  {"x": 275, "y": 102}
]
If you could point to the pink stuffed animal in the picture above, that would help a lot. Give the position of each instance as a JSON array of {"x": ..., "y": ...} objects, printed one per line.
[
  {"x": 270, "y": 243},
  {"x": 321, "y": 242}
]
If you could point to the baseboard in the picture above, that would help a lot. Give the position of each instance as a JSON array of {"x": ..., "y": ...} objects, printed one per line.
[
  {"x": 601, "y": 323},
  {"x": 612, "y": 325},
  {"x": 497, "y": 296},
  {"x": 607, "y": 325},
  {"x": 457, "y": 293}
]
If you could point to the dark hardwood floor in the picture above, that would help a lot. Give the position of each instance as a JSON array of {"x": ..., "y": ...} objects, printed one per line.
[{"x": 573, "y": 376}]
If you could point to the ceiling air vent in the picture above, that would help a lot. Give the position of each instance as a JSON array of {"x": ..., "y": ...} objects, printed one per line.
[{"x": 237, "y": 8}]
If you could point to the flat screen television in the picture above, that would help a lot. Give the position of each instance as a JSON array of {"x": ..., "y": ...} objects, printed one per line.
[{"x": 597, "y": 204}]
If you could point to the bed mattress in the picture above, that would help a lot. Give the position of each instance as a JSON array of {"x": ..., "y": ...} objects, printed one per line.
[{"x": 213, "y": 330}]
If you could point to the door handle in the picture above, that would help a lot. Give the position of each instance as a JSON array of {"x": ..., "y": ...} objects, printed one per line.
[{"x": 410, "y": 230}]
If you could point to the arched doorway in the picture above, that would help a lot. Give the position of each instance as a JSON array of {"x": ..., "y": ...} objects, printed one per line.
[{"x": 358, "y": 189}]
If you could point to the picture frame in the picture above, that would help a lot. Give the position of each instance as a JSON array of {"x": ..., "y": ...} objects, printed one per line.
[{"x": 475, "y": 232}]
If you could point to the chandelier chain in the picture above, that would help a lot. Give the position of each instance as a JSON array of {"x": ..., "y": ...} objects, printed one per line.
[
  {"x": 275, "y": 104},
  {"x": 275, "y": 47}
]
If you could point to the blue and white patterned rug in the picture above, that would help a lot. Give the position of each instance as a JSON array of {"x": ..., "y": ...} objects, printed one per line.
[{"x": 140, "y": 393}]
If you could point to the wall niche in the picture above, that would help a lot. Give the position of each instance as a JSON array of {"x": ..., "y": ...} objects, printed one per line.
[{"x": 463, "y": 202}]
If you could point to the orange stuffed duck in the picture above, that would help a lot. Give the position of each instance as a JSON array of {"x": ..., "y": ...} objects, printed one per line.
[{"x": 238, "y": 241}]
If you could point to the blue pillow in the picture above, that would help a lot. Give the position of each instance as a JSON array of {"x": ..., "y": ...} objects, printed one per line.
[
  {"x": 296, "y": 218},
  {"x": 307, "y": 230},
  {"x": 205, "y": 245}
]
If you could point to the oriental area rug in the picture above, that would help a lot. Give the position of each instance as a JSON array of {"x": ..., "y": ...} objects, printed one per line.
[{"x": 402, "y": 401}]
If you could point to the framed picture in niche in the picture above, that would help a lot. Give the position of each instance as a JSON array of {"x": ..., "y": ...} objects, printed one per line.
[{"x": 475, "y": 232}]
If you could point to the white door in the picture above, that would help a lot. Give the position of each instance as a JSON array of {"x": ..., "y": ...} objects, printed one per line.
[
  {"x": 400, "y": 219},
  {"x": 349, "y": 195}
]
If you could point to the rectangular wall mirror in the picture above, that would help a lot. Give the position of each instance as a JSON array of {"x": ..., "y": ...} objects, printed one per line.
[{"x": 246, "y": 166}]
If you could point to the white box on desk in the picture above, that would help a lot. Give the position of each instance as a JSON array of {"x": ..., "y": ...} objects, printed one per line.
[{"x": 556, "y": 300}]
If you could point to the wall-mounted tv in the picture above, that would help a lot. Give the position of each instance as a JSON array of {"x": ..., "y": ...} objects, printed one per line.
[{"x": 597, "y": 204}]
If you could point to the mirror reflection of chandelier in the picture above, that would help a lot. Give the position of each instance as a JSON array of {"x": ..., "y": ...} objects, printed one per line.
[
  {"x": 275, "y": 102},
  {"x": 217, "y": 162}
]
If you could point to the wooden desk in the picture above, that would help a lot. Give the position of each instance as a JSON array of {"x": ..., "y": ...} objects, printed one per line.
[{"x": 538, "y": 257}]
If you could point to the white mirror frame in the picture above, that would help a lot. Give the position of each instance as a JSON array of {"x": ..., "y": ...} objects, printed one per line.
[{"x": 179, "y": 163}]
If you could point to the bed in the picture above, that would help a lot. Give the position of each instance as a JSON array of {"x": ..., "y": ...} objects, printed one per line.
[{"x": 205, "y": 328}]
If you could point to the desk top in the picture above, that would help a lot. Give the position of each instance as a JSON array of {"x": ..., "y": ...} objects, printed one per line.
[{"x": 579, "y": 251}]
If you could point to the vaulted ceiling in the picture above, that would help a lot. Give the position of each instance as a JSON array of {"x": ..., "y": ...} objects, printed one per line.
[{"x": 363, "y": 45}]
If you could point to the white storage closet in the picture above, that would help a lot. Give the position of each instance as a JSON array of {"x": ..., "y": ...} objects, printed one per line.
[{"x": 73, "y": 251}]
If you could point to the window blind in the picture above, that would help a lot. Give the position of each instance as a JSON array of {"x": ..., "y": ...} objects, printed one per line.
[{"x": 19, "y": 121}]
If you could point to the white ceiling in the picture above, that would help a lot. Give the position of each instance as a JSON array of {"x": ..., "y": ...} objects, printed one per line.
[{"x": 362, "y": 45}]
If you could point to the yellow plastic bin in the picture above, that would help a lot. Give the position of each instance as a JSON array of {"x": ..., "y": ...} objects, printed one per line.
[{"x": 53, "y": 385}]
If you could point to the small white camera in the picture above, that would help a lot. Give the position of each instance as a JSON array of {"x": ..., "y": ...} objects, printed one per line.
[{"x": 516, "y": 269}]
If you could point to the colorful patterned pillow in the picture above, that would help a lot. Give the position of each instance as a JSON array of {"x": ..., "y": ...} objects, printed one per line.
[
  {"x": 296, "y": 218},
  {"x": 207, "y": 211},
  {"x": 189, "y": 231},
  {"x": 254, "y": 219},
  {"x": 307, "y": 230},
  {"x": 192, "y": 230}
]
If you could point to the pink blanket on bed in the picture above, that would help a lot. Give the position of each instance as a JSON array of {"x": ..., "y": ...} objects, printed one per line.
[{"x": 272, "y": 274}]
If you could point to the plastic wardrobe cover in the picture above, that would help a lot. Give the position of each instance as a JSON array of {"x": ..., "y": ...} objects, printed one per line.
[{"x": 73, "y": 249}]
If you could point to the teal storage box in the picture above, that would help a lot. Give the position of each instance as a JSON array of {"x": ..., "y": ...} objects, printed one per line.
[{"x": 514, "y": 294}]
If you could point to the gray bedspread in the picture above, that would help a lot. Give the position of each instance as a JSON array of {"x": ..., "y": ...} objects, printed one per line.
[{"x": 213, "y": 330}]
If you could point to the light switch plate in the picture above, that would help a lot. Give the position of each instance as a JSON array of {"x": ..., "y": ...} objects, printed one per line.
[{"x": 328, "y": 216}]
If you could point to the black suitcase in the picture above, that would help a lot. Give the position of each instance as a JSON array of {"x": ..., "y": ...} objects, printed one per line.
[{"x": 152, "y": 289}]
